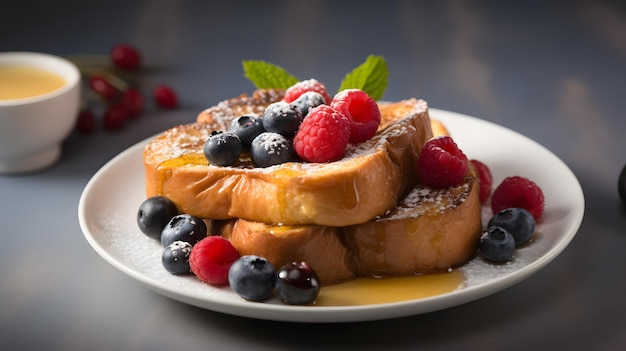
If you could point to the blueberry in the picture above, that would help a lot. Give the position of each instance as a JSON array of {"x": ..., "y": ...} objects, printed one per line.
[
  {"x": 247, "y": 127},
  {"x": 308, "y": 100},
  {"x": 621, "y": 185},
  {"x": 517, "y": 221},
  {"x": 297, "y": 283},
  {"x": 270, "y": 149},
  {"x": 154, "y": 214},
  {"x": 252, "y": 277},
  {"x": 222, "y": 148},
  {"x": 183, "y": 227},
  {"x": 496, "y": 244},
  {"x": 175, "y": 257},
  {"x": 282, "y": 118}
]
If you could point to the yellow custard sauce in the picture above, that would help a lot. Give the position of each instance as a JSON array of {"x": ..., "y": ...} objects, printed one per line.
[
  {"x": 367, "y": 291},
  {"x": 18, "y": 82}
]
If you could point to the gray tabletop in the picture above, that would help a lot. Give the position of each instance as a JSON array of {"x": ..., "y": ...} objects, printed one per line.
[{"x": 554, "y": 71}]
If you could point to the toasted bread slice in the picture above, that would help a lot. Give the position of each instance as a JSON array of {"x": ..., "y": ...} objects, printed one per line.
[
  {"x": 429, "y": 231},
  {"x": 322, "y": 247},
  {"x": 366, "y": 183}
]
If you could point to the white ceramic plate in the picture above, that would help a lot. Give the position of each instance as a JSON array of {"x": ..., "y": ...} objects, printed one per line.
[{"x": 109, "y": 203}]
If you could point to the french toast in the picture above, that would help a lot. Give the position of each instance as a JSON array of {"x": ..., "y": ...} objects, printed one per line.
[
  {"x": 367, "y": 182},
  {"x": 364, "y": 215},
  {"x": 430, "y": 230}
]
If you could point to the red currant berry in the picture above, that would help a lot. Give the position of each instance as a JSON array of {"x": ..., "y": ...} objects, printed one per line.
[
  {"x": 165, "y": 96},
  {"x": 114, "y": 117},
  {"x": 86, "y": 122},
  {"x": 134, "y": 102},
  {"x": 125, "y": 57},
  {"x": 103, "y": 87}
]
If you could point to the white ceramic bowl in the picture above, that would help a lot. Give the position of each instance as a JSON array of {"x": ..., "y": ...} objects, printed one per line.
[{"x": 32, "y": 129}]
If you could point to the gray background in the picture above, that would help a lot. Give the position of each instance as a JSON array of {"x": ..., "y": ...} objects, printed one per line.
[{"x": 554, "y": 71}]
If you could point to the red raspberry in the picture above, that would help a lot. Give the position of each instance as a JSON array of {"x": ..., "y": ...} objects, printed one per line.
[
  {"x": 323, "y": 135},
  {"x": 520, "y": 192},
  {"x": 361, "y": 110},
  {"x": 211, "y": 259},
  {"x": 486, "y": 180},
  {"x": 302, "y": 87},
  {"x": 441, "y": 163}
]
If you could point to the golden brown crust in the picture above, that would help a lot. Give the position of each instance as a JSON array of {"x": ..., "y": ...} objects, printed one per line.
[
  {"x": 320, "y": 246},
  {"x": 430, "y": 230},
  {"x": 367, "y": 182}
]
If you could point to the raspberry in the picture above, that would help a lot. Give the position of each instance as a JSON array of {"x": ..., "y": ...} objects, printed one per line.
[
  {"x": 519, "y": 192},
  {"x": 361, "y": 110},
  {"x": 323, "y": 135},
  {"x": 211, "y": 259},
  {"x": 441, "y": 163},
  {"x": 486, "y": 180},
  {"x": 294, "y": 91}
]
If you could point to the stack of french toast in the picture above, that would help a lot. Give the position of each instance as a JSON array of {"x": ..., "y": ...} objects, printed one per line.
[{"x": 363, "y": 215}]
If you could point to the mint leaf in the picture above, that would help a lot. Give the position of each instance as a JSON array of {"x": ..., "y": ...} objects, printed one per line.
[
  {"x": 370, "y": 76},
  {"x": 267, "y": 76}
]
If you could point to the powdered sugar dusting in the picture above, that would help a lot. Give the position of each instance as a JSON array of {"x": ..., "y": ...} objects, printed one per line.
[
  {"x": 423, "y": 200},
  {"x": 133, "y": 249}
]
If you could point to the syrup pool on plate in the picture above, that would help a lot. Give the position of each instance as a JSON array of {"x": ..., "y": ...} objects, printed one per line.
[
  {"x": 18, "y": 82},
  {"x": 367, "y": 291}
]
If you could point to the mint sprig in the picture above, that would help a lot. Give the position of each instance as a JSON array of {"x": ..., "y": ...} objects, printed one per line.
[
  {"x": 265, "y": 75},
  {"x": 371, "y": 77}
]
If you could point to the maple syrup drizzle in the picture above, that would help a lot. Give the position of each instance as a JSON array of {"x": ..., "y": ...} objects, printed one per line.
[{"x": 367, "y": 291}]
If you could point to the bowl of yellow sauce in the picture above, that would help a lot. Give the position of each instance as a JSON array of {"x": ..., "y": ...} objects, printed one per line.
[{"x": 39, "y": 103}]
